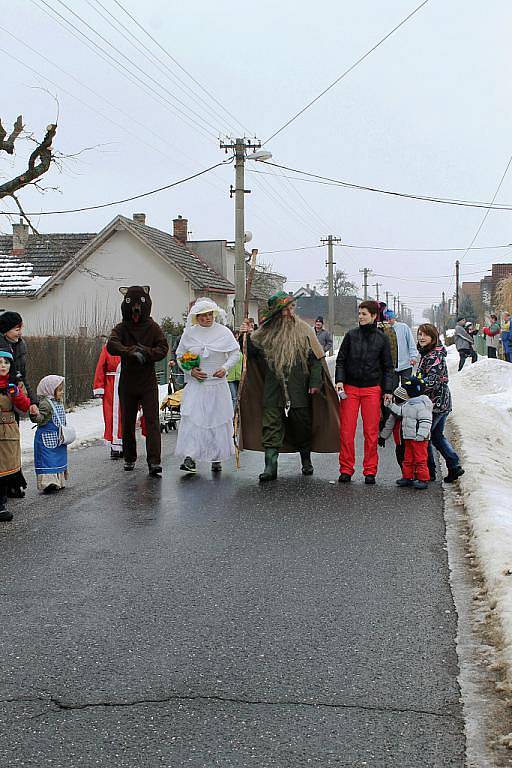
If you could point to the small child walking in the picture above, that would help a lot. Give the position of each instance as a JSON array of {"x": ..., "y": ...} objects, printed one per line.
[
  {"x": 50, "y": 458},
  {"x": 393, "y": 426},
  {"x": 12, "y": 396},
  {"x": 416, "y": 415}
]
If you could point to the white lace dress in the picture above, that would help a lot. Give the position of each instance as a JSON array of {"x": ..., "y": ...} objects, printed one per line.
[{"x": 205, "y": 431}]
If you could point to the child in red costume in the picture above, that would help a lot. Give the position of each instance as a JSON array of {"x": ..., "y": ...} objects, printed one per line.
[
  {"x": 106, "y": 386},
  {"x": 12, "y": 396}
]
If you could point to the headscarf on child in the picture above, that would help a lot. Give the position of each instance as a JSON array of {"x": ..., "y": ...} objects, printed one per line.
[{"x": 48, "y": 385}]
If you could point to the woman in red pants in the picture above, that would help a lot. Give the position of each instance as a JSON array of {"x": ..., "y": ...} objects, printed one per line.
[{"x": 364, "y": 370}]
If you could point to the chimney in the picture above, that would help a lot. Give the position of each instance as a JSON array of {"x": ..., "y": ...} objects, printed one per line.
[
  {"x": 180, "y": 229},
  {"x": 139, "y": 218},
  {"x": 19, "y": 238},
  {"x": 307, "y": 286}
]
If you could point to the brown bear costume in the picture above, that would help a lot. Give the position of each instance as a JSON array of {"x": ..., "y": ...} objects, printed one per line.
[{"x": 140, "y": 343}]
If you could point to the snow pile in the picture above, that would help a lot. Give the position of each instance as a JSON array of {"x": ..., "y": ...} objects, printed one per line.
[
  {"x": 87, "y": 419},
  {"x": 482, "y": 417}
]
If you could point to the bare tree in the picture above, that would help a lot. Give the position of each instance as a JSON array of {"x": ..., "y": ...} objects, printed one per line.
[
  {"x": 37, "y": 165},
  {"x": 342, "y": 285}
]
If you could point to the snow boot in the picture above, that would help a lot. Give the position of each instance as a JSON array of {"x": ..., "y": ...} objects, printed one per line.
[
  {"x": 307, "y": 467},
  {"x": 404, "y": 482},
  {"x": 420, "y": 485},
  {"x": 270, "y": 471},
  {"x": 344, "y": 478},
  {"x": 129, "y": 465},
  {"x": 114, "y": 455},
  {"x": 453, "y": 474},
  {"x": 5, "y": 516},
  {"x": 369, "y": 480},
  {"x": 188, "y": 465},
  {"x": 216, "y": 466},
  {"x": 155, "y": 470}
]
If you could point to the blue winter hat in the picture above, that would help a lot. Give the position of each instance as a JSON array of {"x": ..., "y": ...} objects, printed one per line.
[
  {"x": 389, "y": 314},
  {"x": 415, "y": 386},
  {"x": 5, "y": 353}
]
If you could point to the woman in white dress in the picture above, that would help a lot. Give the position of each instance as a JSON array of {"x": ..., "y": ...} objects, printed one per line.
[{"x": 206, "y": 426}]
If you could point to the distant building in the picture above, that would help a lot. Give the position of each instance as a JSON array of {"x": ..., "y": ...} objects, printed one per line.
[
  {"x": 305, "y": 291},
  {"x": 345, "y": 311}
]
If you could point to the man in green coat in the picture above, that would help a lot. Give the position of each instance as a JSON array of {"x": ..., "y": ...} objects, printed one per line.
[{"x": 288, "y": 402}]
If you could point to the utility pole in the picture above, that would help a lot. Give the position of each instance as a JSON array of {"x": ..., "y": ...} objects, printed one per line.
[
  {"x": 377, "y": 286},
  {"x": 457, "y": 289},
  {"x": 387, "y": 299},
  {"x": 443, "y": 311},
  {"x": 394, "y": 304},
  {"x": 398, "y": 305},
  {"x": 240, "y": 147},
  {"x": 330, "y": 278},
  {"x": 366, "y": 271}
]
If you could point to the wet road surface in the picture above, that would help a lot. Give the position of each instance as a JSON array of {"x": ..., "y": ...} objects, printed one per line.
[{"x": 208, "y": 621}]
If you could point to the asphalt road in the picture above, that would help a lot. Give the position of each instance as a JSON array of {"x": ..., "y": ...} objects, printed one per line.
[{"x": 208, "y": 621}]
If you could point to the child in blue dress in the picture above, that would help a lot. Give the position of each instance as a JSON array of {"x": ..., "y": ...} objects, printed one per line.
[{"x": 50, "y": 458}]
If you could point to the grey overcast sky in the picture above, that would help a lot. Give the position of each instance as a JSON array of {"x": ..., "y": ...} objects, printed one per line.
[{"x": 429, "y": 112}]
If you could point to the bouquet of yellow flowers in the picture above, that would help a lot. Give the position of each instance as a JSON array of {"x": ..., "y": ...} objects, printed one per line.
[{"x": 188, "y": 361}]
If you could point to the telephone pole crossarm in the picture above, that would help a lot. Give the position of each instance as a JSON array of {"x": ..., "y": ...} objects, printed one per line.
[{"x": 240, "y": 147}]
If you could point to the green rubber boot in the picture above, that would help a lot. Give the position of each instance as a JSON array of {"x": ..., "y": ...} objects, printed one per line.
[{"x": 270, "y": 471}]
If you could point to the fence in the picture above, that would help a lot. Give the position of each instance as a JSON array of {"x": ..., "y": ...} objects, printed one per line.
[{"x": 74, "y": 358}]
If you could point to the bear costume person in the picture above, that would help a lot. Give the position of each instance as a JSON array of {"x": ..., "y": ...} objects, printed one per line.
[{"x": 140, "y": 343}]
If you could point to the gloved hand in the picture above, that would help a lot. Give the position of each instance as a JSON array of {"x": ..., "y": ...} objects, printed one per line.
[
  {"x": 139, "y": 355},
  {"x": 13, "y": 390},
  {"x": 382, "y": 442}
]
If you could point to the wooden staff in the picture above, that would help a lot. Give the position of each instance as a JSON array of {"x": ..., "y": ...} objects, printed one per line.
[{"x": 236, "y": 419}]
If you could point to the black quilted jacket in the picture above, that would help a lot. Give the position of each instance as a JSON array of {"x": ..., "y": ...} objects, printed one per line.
[{"x": 364, "y": 359}]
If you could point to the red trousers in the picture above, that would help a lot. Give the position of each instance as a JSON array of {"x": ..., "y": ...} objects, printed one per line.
[
  {"x": 368, "y": 400},
  {"x": 415, "y": 464}
]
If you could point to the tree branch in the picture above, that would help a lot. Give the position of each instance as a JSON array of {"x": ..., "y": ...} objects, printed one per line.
[
  {"x": 24, "y": 215},
  {"x": 8, "y": 145},
  {"x": 38, "y": 163}
]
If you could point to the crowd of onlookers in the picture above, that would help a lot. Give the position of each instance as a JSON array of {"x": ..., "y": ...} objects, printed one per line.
[{"x": 497, "y": 336}]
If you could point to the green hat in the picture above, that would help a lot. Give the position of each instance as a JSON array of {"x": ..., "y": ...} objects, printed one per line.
[{"x": 277, "y": 302}]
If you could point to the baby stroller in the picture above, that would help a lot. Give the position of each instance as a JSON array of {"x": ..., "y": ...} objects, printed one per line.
[{"x": 170, "y": 406}]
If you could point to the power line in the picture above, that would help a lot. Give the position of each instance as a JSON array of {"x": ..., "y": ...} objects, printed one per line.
[
  {"x": 484, "y": 219},
  {"x": 327, "y": 181},
  {"x": 120, "y": 67},
  {"x": 179, "y": 65},
  {"x": 126, "y": 199},
  {"x": 346, "y": 72},
  {"x": 136, "y": 66},
  {"x": 383, "y": 248},
  {"x": 152, "y": 58}
]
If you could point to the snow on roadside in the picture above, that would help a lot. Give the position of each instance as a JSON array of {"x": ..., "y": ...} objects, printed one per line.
[
  {"x": 87, "y": 419},
  {"x": 482, "y": 417}
]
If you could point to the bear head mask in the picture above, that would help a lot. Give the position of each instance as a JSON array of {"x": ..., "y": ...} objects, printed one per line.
[{"x": 136, "y": 306}]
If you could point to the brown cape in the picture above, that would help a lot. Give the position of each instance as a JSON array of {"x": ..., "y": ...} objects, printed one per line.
[{"x": 326, "y": 422}]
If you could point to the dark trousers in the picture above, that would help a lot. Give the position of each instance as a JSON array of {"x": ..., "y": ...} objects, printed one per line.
[
  {"x": 463, "y": 356},
  {"x": 492, "y": 352},
  {"x": 130, "y": 402},
  {"x": 297, "y": 427},
  {"x": 438, "y": 440}
]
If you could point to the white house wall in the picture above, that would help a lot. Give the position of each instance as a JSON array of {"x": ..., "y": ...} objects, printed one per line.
[{"x": 89, "y": 297}]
